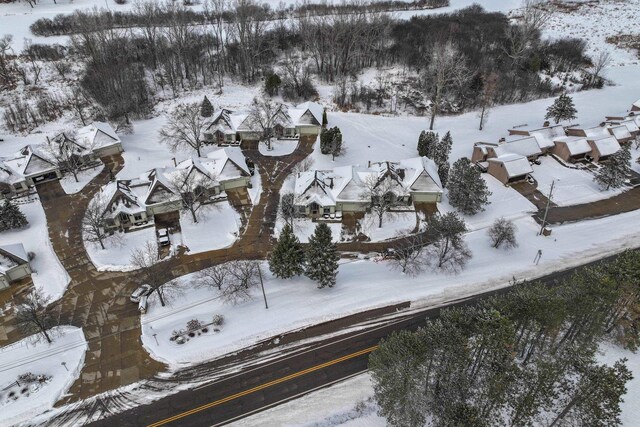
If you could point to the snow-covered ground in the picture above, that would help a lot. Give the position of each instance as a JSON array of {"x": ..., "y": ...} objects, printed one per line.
[
  {"x": 393, "y": 224},
  {"x": 48, "y": 273},
  {"x": 35, "y": 355},
  {"x": 116, "y": 256},
  {"x": 218, "y": 227},
  {"x": 71, "y": 186},
  {"x": 365, "y": 284},
  {"x": 572, "y": 186},
  {"x": 304, "y": 228},
  {"x": 279, "y": 147}
]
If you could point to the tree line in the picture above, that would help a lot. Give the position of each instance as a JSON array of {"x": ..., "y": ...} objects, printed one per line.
[{"x": 527, "y": 357}]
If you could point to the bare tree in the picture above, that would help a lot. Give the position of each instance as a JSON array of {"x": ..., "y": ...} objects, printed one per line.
[
  {"x": 446, "y": 69},
  {"x": 79, "y": 101},
  {"x": 601, "y": 62},
  {"x": 32, "y": 314},
  {"x": 487, "y": 96},
  {"x": 244, "y": 278},
  {"x": 154, "y": 271},
  {"x": 93, "y": 220},
  {"x": 288, "y": 208},
  {"x": 215, "y": 276},
  {"x": 63, "y": 67},
  {"x": 193, "y": 187},
  {"x": 380, "y": 196},
  {"x": 6, "y": 70},
  {"x": 64, "y": 151},
  {"x": 521, "y": 36},
  {"x": 409, "y": 254},
  {"x": 29, "y": 54},
  {"x": 264, "y": 114},
  {"x": 303, "y": 165},
  {"x": 185, "y": 128},
  {"x": 247, "y": 27},
  {"x": 503, "y": 233}
]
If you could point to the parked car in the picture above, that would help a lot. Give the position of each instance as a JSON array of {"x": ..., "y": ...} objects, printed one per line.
[
  {"x": 142, "y": 291},
  {"x": 163, "y": 237}
]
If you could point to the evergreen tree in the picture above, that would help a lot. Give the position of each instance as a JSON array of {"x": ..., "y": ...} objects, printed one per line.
[
  {"x": 287, "y": 257},
  {"x": 443, "y": 173},
  {"x": 329, "y": 138},
  {"x": 272, "y": 84},
  {"x": 562, "y": 109},
  {"x": 468, "y": 192},
  {"x": 616, "y": 170},
  {"x": 427, "y": 142},
  {"x": 206, "y": 108},
  {"x": 322, "y": 257},
  {"x": 443, "y": 150},
  {"x": 11, "y": 217},
  {"x": 325, "y": 120}
]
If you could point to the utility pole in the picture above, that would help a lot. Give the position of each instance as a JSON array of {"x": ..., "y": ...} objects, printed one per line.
[
  {"x": 262, "y": 286},
  {"x": 546, "y": 209}
]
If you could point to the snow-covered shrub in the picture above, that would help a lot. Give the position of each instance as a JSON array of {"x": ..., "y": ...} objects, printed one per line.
[
  {"x": 218, "y": 320},
  {"x": 194, "y": 324}
]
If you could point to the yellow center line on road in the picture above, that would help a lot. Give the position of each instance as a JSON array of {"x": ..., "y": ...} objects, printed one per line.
[{"x": 262, "y": 386}]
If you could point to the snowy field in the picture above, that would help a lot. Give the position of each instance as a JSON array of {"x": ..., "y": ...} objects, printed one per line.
[
  {"x": 218, "y": 227},
  {"x": 71, "y": 186},
  {"x": 393, "y": 225},
  {"x": 48, "y": 273},
  {"x": 572, "y": 186},
  {"x": 35, "y": 355},
  {"x": 364, "y": 285},
  {"x": 116, "y": 256}
]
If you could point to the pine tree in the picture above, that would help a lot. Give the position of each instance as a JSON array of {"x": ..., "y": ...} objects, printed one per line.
[
  {"x": 616, "y": 170},
  {"x": 443, "y": 150},
  {"x": 468, "y": 192},
  {"x": 427, "y": 142},
  {"x": 562, "y": 109},
  {"x": 287, "y": 257},
  {"x": 322, "y": 257},
  {"x": 443, "y": 173},
  {"x": 11, "y": 217},
  {"x": 328, "y": 137},
  {"x": 206, "y": 108},
  {"x": 325, "y": 121}
]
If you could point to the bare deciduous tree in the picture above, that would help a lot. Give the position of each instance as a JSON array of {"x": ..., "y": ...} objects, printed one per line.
[
  {"x": 154, "y": 271},
  {"x": 447, "y": 69},
  {"x": 521, "y": 36},
  {"x": 93, "y": 220},
  {"x": 380, "y": 196},
  {"x": 63, "y": 150},
  {"x": 215, "y": 276},
  {"x": 185, "y": 128},
  {"x": 32, "y": 314},
  {"x": 193, "y": 187},
  {"x": 244, "y": 278},
  {"x": 264, "y": 114},
  {"x": 288, "y": 208},
  {"x": 409, "y": 254},
  {"x": 503, "y": 233},
  {"x": 449, "y": 251},
  {"x": 600, "y": 62}
]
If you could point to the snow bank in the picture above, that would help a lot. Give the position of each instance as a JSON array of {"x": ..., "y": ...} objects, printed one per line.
[
  {"x": 48, "y": 273},
  {"x": 35, "y": 355},
  {"x": 218, "y": 227},
  {"x": 118, "y": 249},
  {"x": 70, "y": 185}
]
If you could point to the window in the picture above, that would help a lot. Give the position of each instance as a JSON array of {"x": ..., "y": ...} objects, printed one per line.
[
  {"x": 138, "y": 217},
  {"x": 326, "y": 210},
  {"x": 302, "y": 209}
]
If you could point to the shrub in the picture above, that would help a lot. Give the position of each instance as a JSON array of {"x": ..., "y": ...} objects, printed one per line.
[
  {"x": 194, "y": 324},
  {"x": 218, "y": 320}
]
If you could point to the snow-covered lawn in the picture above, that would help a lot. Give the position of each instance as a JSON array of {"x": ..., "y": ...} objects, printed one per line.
[
  {"x": 279, "y": 147},
  {"x": 217, "y": 227},
  {"x": 572, "y": 186},
  {"x": 35, "y": 355},
  {"x": 48, "y": 273},
  {"x": 393, "y": 224},
  {"x": 365, "y": 284},
  {"x": 304, "y": 228},
  {"x": 71, "y": 186},
  {"x": 118, "y": 249}
]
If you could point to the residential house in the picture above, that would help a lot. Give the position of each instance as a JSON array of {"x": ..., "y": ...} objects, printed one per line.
[
  {"x": 636, "y": 106},
  {"x": 98, "y": 140},
  {"x": 30, "y": 166},
  {"x": 602, "y": 148},
  {"x": 572, "y": 148},
  {"x": 306, "y": 118},
  {"x": 620, "y": 132},
  {"x": 509, "y": 168},
  {"x": 544, "y": 135},
  {"x": 14, "y": 264},
  {"x": 222, "y": 129},
  {"x": 344, "y": 189},
  {"x": 134, "y": 202}
]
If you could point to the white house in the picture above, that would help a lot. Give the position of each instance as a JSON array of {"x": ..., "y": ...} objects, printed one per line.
[
  {"x": 14, "y": 264},
  {"x": 30, "y": 166}
]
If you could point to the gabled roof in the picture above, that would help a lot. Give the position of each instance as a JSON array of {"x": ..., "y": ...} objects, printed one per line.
[
  {"x": 576, "y": 145},
  {"x": 119, "y": 198},
  {"x": 96, "y": 135},
  {"x": 636, "y": 104},
  {"x": 620, "y": 132},
  {"x": 606, "y": 146},
  {"x": 308, "y": 113},
  {"x": 527, "y": 146},
  {"x": 30, "y": 160},
  {"x": 514, "y": 164}
]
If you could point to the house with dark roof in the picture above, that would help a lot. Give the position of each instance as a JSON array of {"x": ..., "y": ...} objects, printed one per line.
[{"x": 14, "y": 264}]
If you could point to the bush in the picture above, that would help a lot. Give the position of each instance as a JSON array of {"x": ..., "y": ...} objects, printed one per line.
[
  {"x": 194, "y": 324},
  {"x": 218, "y": 320}
]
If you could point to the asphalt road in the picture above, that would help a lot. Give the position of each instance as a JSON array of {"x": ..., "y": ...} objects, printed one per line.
[{"x": 283, "y": 378}]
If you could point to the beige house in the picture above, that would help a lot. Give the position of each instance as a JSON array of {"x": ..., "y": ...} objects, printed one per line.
[
  {"x": 14, "y": 264},
  {"x": 620, "y": 132},
  {"x": 571, "y": 148},
  {"x": 330, "y": 193},
  {"x": 509, "y": 168},
  {"x": 602, "y": 148},
  {"x": 30, "y": 166},
  {"x": 544, "y": 135},
  {"x": 122, "y": 206}
]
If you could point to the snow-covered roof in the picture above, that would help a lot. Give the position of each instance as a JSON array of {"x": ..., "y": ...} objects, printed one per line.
[
  {"x": 515, "y": 164},
  {"x": 631, "y": 125},
  {"x": 30, "y": 160},
  {"x": 606, "y": 146},
  {"x": 576, "y": 145},
  {"x": 299, "y": 114},
  {"x": 119, "y": 198},
  {"x": 620, "y": 132},
  {"x": 96, "y": 135},
  {"x": 11, "y": 256},
  {"x": 636, "y": 104},
  {"x": 8, "y": 175},
  {"x": 545, "y": 136},
  {"x": 527, "y": 146}
]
